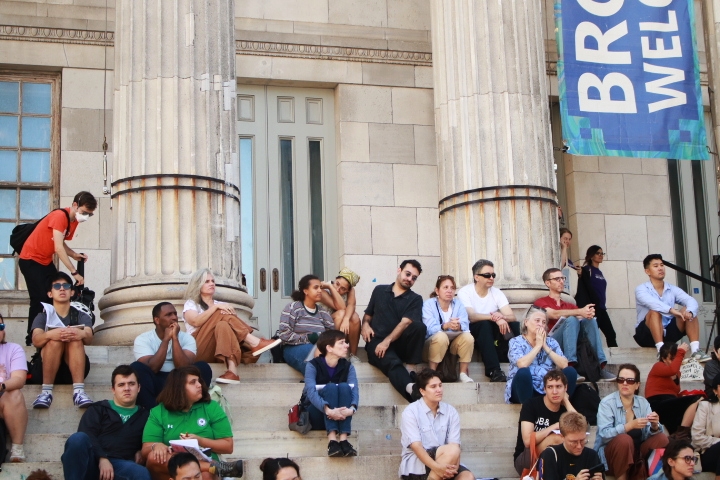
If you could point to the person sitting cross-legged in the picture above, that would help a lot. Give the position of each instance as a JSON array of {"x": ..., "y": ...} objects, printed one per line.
[
  {"x": 571, "y": 458},
  {"x": 541, "y": 415},
  {"x": 658, "y": 321},
  {"x": 109, "y": 438},
  {"x": 13, "y": 373},
  {"x": 158, "y": 351},
  {"x": 61, "y": 335},
  {"x": 431, "y": 435},
  {"x": 574, "y": 320}
]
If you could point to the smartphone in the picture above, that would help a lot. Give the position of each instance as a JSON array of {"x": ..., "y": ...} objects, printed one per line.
[{"x": 600, "y": 468}]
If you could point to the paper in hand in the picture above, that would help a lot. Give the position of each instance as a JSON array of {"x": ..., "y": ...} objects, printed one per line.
[{"x": 52, "y": 318}]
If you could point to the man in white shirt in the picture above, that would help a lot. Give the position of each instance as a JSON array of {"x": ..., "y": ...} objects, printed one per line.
[
  {"x": 658, "y": 321},
  {"x": 492, "y": 321},
  {"x": 159, "y": 351}
]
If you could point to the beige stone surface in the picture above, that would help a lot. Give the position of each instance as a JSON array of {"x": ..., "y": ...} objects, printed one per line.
[
  {"x": 306, "y": 11},
  {"x": 87, "y": 56},
  {"x": 81, "y": 171},
  {"x": 623, "y": 320},
  {"x": 83, "y": 88},
  {"x": 596, "y": 193},
  {"x": 82, "y": 129},
  {"x": 425, "y": 283},
  {"x": 425, "y": 152},
  {"x": 388, "y": 74},
  {"x": 413, "y": 14},
  {"x": 619, "y": 165},
  {"x": 298, "y": 71},
  {"x": 589, "y": 229},
  {"x": 76, "y": 11},
  {"x": 86, "y": 235},
  {"x": 412, "y": 106},
  {"x": 371, "y": 13},
  {"x": 362, "y": 103},
  {"x": 654, "y": 166},
  {"x": 365, "y": 184},
  {"x": 428, "y": 225},
  {"x": 32, "y": 53},
  {"x": 626, "y": 237},
  {"x": 646, "y": 195},
  {"x": 354, "y": 142},
  {"x": 17, "y": 8},
  {"x": 636, "y": 276},
  {"x": 423, "y": 77},
  {"x": 374, "y": 270},
  {"x": 580, "y": 163},
  {"x": 615, "y": 272},
  {"x": 415, "y": 185},
  {"x": 394, "y": 231},
  {"x": 391, "y": 143},
  {"x": 105, "y": 222},
  {"x": 660, "y": 236},
  {"x": 356, "y": 230}
]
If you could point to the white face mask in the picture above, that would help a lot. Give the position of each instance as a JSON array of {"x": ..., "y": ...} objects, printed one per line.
[{"x": 81, "y": 217}]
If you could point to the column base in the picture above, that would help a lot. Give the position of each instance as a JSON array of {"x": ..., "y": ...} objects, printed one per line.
[{"x": 127, "y": 312}]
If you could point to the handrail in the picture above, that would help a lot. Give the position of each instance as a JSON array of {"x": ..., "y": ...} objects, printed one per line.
[{"x": 692, "y": 275}]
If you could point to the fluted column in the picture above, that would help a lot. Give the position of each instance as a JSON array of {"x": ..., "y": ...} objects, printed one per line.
[
  {"x": 494, "y": 145},
  {"x": 175, "y": 172}
]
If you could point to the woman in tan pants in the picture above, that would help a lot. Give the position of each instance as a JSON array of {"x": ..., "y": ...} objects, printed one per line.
[{"x": 220, "y": 335}]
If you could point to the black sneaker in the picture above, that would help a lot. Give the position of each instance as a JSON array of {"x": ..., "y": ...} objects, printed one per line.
[
  {"x": 347, "y": 449},
  {"x": 415, "y": 395},
  {"x": 413, "y": 376},
  {"x": 497, "y": 375},
  {"x": 228, "y": 469},
  {"x": 335, "y": 449}
]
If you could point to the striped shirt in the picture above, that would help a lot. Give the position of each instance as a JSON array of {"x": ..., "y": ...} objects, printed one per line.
[{"x": 296, "y": 322}]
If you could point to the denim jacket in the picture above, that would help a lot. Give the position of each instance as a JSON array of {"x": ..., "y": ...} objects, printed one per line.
[
  {"x": 611, "y": 421},
  {"x": 433, "y": 319}
]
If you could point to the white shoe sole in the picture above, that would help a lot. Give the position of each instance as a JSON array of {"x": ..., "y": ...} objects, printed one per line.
[
  {"x": 226, "y": 380},
  {"x": 267, "y": 347}
]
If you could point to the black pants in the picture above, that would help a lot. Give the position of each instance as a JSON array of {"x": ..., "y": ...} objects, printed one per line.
[
  {"x": 606, "y": 327},
  {"x": 152, "y": 383},
  {"x": 408, "y": 348},
  {"x": 711, "y": 459},
  {"x": 36, "y": 278},
  {"x": 485, "y": 332}
]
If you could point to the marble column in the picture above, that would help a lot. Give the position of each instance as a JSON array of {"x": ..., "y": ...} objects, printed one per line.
[
  {"x": 494, "y": 147},
  {"x": 175, "y": 173}
]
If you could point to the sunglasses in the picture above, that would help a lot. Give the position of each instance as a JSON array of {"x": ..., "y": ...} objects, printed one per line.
[
  {"x": 446, "y": 277},
  {"x": 689, "y": 459},
  {"x": 487, "y": 275},
  {"x": 58, "y": 286},
  {"x": 629, "y": 381}
]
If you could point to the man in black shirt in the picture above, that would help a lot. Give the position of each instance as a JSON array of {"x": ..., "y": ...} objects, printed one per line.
[
  {"x": 393, "y": 328},
  {"x": 541, "y": 414},
  {"x": 571, "y": 460}
]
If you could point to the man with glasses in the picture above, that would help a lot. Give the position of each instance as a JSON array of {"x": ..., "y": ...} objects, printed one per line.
[
  {"x": 47, "y": 240},
  {"x": 393, "y": 329},
  {"x": 492, "y": 321},
  {"x": 13, "y": 373},
  {"x": 571, "y": 459},
  {"x": 61, "y": 334},
  {"x": 573, "y": 320},
  {"x": 658, "y": 321}
]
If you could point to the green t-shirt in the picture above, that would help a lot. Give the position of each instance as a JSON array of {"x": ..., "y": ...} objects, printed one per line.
[
  {"x": 125, "y": 413},
  {"x": 207, "y": 420}
]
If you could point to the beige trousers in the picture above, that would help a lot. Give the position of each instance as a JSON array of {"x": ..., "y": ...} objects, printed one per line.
[{"x": 436, "y": 346}]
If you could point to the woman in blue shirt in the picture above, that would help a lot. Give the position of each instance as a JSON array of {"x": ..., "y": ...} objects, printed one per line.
[{"x": 448, "y": 327}]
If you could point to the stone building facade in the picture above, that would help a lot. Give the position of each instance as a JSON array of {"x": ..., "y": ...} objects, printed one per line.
[{"x": 363, "y": 102}]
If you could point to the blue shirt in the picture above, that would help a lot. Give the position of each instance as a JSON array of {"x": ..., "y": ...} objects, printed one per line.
[
  {"x": 647, "y": 298},
  {"x": 312, "y": 393},
  {"x": 541, "y": 364},
  {"x": 432, "y": 318}
]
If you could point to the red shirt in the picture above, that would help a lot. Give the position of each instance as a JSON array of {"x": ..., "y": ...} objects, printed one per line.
[
  {"x": 660, "y": 382},
  {"x": 40, "y": 246},
  {"x": 549, "y": 302}
]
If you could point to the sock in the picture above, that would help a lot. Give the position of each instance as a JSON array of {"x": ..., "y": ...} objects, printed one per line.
[
  {"x": 659, "y": 345},
  {"x": 694, "y": 347},
  {"x": 47, "y": 387},
  {"x": 78, "y": 388},
  {"x": 408, "y": 388}
]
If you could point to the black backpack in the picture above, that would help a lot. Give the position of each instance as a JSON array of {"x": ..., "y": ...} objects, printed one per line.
[
  {"x": 586, "y": 401},
  {"x": 588, "y": 364},
  {"x": 21, "y": 232}
]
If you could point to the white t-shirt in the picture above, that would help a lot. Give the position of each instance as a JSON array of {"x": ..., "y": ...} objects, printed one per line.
[
  {"x": 190, "y": 305},
  {"x": 491, "y": 303},
  {"x": 148, "y": 343}
]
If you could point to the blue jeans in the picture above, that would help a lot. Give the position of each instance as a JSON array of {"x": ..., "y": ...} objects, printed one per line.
[
  {"x": 295, "y": 355},
  {"x": 80, "y": 462},
  {"x": 337, "y": 395},
  {"x": 522, "y": 384},
  {"x": 567, "y": 336}
]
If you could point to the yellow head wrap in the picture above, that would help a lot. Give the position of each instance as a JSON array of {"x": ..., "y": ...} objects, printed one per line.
[{"x": 352, "y": 277}]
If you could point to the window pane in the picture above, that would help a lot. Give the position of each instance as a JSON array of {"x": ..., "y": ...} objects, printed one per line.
[
  {"x": 7, "y": 273},
  {"x": 35, "y": 132},
  {"x": 8, "y": 166},
  {"x": 34, "y": 204},
  {"x": 8, "y": 131},
  {"x": 9, "y": 94},
  {"x": 286, "y": 217},
  {"x": 5, "y": 231},
  {"x": 35, "y": 167},
  {"x": 316, "y": 211},
  {"x": 247, "y": 209},
  {"x": 677, "y": 220},
  {"x": 8, "y": 203},
  {"x": 36, "y": 98}
]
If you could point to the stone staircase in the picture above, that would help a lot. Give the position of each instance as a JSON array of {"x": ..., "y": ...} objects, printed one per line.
[{"x": 259, "y": 407}]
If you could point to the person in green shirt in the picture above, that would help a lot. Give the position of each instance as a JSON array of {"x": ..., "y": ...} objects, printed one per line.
[{"x": 185, "y": 412}]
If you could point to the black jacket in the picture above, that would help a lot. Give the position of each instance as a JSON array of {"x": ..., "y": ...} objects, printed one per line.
[
  {"x": 110, "y": 437},
  {"x": 323, "y": 377}
]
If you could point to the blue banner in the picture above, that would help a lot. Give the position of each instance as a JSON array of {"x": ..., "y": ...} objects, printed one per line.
[{"x": 629, "y": 78}]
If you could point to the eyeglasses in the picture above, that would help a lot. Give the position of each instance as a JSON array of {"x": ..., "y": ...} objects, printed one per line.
[
  {"x": 58, "y": 286},
  {"x": 688, "y": 459},
  {"x": 410, "y": 275},
  {"x": 487, "y": 275},
  {"x": 558, "y": 279},
  {"x": 629, "y": 381},
  {"x": 601, "y": 253},
  {"x": 446, "y": 277},
  {"x": 577, "y": 443}
]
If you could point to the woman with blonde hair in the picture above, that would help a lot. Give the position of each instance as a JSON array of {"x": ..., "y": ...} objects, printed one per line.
[{"x": 220, "y": 335}]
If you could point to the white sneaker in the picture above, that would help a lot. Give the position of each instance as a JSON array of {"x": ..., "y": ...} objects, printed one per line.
[
  {"x": 464, "y": 378},
  {"x": 701, "y": 357},
  {"x": 17, "y": 454},
  {"x": 354, "y": 359}
]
